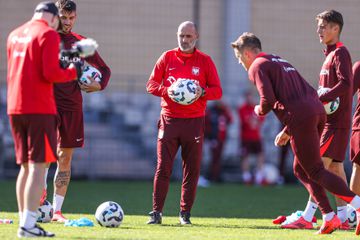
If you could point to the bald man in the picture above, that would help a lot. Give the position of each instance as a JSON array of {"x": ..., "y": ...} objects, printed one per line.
[{"x": 181, "y": 125}]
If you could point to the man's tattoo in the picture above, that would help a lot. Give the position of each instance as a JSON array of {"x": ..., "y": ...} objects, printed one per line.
[{"x": 62, "y": 179}]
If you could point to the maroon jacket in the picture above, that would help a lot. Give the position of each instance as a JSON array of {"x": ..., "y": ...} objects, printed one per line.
[
  {"x": 283, "y": 90},
  {"x": 336, "y": 74},
  {"x": 68, "y": 95},
  {"x": 356, "y": 118}
]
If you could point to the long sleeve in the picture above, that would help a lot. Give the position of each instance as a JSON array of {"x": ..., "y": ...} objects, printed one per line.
[
  {"x": 266, "y": 93},
  {"x": 154, "y": 85},
  {"x": 52, "y": 71},
  {"x": 100, "y": 64},
  {"x": 344, "y": 75},
  {"x": 213, "y": 88}
]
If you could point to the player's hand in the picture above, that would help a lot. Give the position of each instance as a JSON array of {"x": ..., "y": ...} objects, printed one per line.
[
  {"x": 199, "y": 91},
  {"x": 93, "y": 86},
  {"x": 281, "y": 139},
  {"x": 257, "y": 110}
]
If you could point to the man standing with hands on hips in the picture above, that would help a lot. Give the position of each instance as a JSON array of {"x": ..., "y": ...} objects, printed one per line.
[{"x": 181, "y": 125}]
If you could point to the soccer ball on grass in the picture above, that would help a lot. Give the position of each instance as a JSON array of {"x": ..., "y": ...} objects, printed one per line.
[{"x": 109, "y": 214}]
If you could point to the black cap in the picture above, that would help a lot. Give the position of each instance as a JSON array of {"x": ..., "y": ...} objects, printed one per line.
[{"x": 47, "y": 7}]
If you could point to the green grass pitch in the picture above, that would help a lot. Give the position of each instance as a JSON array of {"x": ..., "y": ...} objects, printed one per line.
[{"x": 223, "y": 211}]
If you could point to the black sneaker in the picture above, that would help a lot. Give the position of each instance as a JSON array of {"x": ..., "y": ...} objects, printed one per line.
[
  {"x": 155, "y": 217},
  {"x": 184, "y": 218},
  {"x": 36, "y": 231}
]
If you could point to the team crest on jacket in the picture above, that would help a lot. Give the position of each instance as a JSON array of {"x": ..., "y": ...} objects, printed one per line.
[{"x": 195, "y": 71}]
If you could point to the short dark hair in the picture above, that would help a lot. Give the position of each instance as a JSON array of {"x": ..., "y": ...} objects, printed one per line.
[
  {"x": 247, "y": 40},
  {"x": 66, "y": 5},
  {"x": 331, "y": 16}
]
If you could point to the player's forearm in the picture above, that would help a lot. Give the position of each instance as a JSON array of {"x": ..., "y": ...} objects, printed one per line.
[
  {"x": 340, "y": 89},
  {"x": 156, "y": 89}
]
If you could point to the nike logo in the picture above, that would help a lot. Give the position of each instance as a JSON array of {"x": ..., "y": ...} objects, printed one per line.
[
  {"x": 196, "y": 138},
  {"x": 79, "y": 139},
  {"x": 170, "y": 69}
]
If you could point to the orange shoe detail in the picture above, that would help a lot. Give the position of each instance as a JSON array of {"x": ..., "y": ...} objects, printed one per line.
[
  {"x": 43, "y": 197},
  {"x": 301, "y": 223},
  {"x": 58, "y": 217},
  {"x": 329, "y": 226}
]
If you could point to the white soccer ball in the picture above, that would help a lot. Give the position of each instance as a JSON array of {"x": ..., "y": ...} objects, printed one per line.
[
  {"x": 351, "y": 216},
  {"x": 109, "y": 214},
  {"x": 45, "y": 212},
  {"x": 271, "y": 173},
  {"x": 183, "y": 91},
  {"x": 90, "y": 71},
  {"x": 330, "y": 107}
]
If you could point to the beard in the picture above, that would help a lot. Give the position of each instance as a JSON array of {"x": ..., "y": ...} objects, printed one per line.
[{"x": 187, "y": 46}]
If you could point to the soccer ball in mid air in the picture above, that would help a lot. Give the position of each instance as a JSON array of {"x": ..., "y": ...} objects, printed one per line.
[
  {"x": 109, "y": 214},
  {"x": 351, "y": 216},
  {"x": 45, "y": 212},
  {"x": 183, "y": 91},
  {"x": 330, "y": 107},
  {"x": 90, "y": 71}
]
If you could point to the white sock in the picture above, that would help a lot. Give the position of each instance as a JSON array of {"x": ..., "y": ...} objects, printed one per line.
[
  {"x": 28, "y": 219},
  {"x": 355, "y": 202},
  {"x": 328, "y": 216},
  {"x": 309, "y": 211},
  {"x": 46, "y": 174},
  {"x": 341, "y": 213},
  {"x": 57, "y": 202}
]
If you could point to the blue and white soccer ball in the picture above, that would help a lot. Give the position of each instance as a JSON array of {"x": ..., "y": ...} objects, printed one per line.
[
  {"x": 183, "y": 91},
  {"x": 330, "y": 107},
  {"x": 109, "y": 214},
  {"x": 45, "y": 212},
  {"x": 351, "y": 216},
  {"x": 90, "y": 71}
]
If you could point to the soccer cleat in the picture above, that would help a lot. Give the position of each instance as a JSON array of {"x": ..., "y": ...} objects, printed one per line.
[
  {"x": 291, "y": 218},
  {"x": 184, "y": 218},
  {"x": 58, "y": 217},
  {"x": 345, "y": 226},
  {"x": 329, "y": 226},
  {"x": 155, "y": 217},
  {"x": 36, "y": 231},
  {"x": 43, "y": 197},
  {"x": 300, "y": 223}
]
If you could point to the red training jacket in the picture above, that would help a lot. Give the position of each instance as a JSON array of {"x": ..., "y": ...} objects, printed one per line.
[
  {"x": 33, "y": 67},
  {"x": 174, "y": 64}
]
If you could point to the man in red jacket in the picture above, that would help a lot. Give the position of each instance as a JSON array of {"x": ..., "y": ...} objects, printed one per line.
[
  {"x": 69, "y": 105},
  {"x": 181, "y": 125},
  {"x": 296, "y": 104},
  {"x": 33, "y": 67}
]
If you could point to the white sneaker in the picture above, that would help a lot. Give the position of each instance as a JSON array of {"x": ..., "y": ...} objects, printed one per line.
[{"x": 36, "y": 231}]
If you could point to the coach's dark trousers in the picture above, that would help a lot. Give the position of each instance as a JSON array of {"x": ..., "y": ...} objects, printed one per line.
[{"x": 173, "y": 133}]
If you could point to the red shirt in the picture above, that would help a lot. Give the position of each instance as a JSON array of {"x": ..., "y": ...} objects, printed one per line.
[
  {"x": 174, "y": 64},
  {"x": 336, "y": 73},
  {"x": 282, "y": 89},
  {"x": 250, "y": 123},
  {"x": 356, "y": 118},
  {"x": 68, "y": 95},
  {"x": 33, "y": 67}
]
